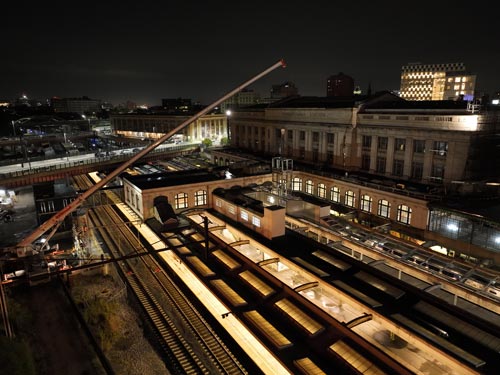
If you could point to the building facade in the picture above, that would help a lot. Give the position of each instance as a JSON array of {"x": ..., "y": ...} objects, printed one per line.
[
  {"x": 284, "y": 90},
  {"x": 424, "y": 142},
  {"x": 407, "y": 214},
  {"x": 83, "y": 105},
  {"x": 241, "y": 99},
  {"x": 339, "y": 85},
  {"x": 154, "y": 126},
  {"x": 436, "y": 82}
]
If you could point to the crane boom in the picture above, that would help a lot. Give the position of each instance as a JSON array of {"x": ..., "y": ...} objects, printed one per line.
[{"x": 61, "y": 215}]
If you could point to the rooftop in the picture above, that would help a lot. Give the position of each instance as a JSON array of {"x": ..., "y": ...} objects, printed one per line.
[{"x": 157, "y": 180}]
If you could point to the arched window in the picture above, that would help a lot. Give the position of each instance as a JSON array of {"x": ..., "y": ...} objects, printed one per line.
[
  {"x": 384, "y": 208},
  {"x": 181, "y": 201},
  {"x": 297, "y": 184},
  {"x": 366, "y": 203},
  {"x": 309, "y": 186},
  {"x": 350, "y": 198},
  {"x": 335, "y": 194},
  {"x": 321, "y": 190},
  {"x": 200, "y": 198},
  {"x": 404, "y": 214}
]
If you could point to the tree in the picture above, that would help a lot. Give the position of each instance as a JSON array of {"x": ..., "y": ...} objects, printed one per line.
[{"x": 207, "y": 142}]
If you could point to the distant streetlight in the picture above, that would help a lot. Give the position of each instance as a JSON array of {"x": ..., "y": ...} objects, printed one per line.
[{"x": 228, "y": 132}]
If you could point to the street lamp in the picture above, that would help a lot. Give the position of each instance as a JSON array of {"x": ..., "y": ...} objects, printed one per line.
[{"x": 228, "y": 132}]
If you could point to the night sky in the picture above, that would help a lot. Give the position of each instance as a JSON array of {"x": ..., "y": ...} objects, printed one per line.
[{"x": 147, "y": 50}]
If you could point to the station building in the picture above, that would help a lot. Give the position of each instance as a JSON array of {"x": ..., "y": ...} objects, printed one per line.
[
  {"x": 255, "y": 202},
  {"x": 154, "y": 126},
  {"x": 378, "y": 160},
  {"x": 428, "y": 169}
]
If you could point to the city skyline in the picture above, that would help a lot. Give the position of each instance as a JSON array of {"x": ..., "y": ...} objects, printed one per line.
[{"x": 119, "y": 52}]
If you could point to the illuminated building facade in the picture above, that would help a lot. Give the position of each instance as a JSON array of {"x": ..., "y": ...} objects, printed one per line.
[
  {"x": 154, "y": 126},
  {"x": 434, "y": 142},
  {"x": 436, "y": 82}
]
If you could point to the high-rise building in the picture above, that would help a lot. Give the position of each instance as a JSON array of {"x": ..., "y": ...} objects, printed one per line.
[
  {"x": 339, "y": 85},
  {"x": 437, "y": 82}
]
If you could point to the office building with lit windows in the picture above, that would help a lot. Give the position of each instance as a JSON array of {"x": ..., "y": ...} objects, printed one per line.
[{"x": 436, "y": 82}]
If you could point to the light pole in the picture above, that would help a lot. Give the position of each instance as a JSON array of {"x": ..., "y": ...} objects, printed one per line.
[
  {"x": 228, "y": 131},
  {"x": 13, "y": 127}
]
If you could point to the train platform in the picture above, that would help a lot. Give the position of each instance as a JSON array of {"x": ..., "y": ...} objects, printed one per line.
[
  {"x": 415, "y": 354},
  {"x": 265, "y": 359}
]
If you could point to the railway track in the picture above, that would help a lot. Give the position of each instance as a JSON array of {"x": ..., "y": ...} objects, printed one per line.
[
  {"x": 81, "y": 182},
  {"x": 188, "y": 341}
]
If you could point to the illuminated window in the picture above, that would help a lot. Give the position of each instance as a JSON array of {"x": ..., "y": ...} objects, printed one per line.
[
  {"x": 404, "y": 214},
  {"x": 256, "y": 221},
  {"x": 440, "y": 148},
  {"x": 244, "y": 215},
  {"x": 322, "y": 190},
  {"x": 399, "y": 144},
  {"x": 457, "y": 79},
  {"x": 297, "y": 184},
  {"x": 350, "y": 198},
  {"x": 309, "y": 187},
  {"x": 200, "y": 198},
  {"x": 384, "y": 208},
  {"x": 366, "y": 203},
  {"x": 335, "y": 194},
  {"x": 218, "y": 203},
  {"x": 181, "y": 201},
  {"x": 231, "y": 209}
]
